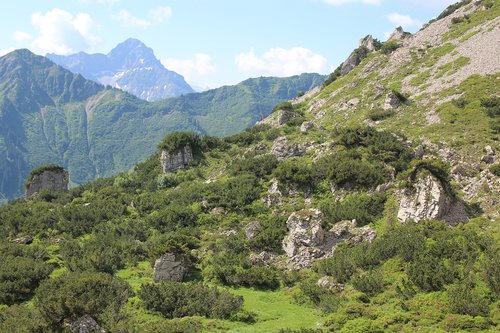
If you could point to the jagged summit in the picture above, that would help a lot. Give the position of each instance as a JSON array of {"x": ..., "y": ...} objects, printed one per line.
[{"x": 130, "y": 66}]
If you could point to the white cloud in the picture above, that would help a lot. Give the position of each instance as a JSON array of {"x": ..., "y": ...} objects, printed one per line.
[
  {"x": 343, "y": 2},
  {"x": 100, "y": 2},
  {"x": 282, "y": 62},
  {"x": 160, "y": 14},
  {"x": 21, "y": 36},
  {"x": 63, "y": 33},
  {"x": 193, "y": 69},
  {"x": 130, "y": 20},
  {"x": 404, "y": 21}
]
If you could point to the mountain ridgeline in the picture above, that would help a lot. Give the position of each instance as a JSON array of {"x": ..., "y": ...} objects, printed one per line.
[
  {"x": 130, "y": 66},
  {"x": 50, "y": 115}
]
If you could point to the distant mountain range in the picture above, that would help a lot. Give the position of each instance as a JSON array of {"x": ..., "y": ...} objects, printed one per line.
[
  {"x": 51, "y": 115},
  {"x": 130, "y": 66}
]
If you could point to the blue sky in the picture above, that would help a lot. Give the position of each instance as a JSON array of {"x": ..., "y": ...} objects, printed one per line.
[{"x": 214, "y": 42}]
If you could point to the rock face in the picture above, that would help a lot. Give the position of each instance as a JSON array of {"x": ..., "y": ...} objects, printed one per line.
[
  {"x": 489, "y": 158},
  {"x": 427, "y": 199},
  {"x": 23, "y": 240},
  {"x": 284, "y": 149},
  {"x": 307, "y": 241},
  {"x": 168, "y": 268},
  {"x": 391, "y": 101},
  {"x": 368, "y": 42},
  {"x": 175, "y": 161},
  {"x": 398, "y": 34},
  {"x": 85, "y": 324},
  {"x": 55, "y": 180},
  {"x": 350, "y": 63},
  {"x": 252, "y": 229},
  {"x": 284, "y": 117},
  {"x": 304, "y": 230}
]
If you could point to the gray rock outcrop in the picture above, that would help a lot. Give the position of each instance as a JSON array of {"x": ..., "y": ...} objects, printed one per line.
[
  {"x": 368, "y": 42},
  {"x": 350, "y": 63},
  {"x": 285, "y": 116},
  {"x": 174, "y": 161},
  {"x": 283, "y": 149},
  {"x": 252, "y": 229},
  {"x": 55, "y": 180},
  {"x": 304, "y": 230},
  {"x": 23, "y": 240},
  {"x": 307, "y": 126},
  {"x": 169, "y": 268},
  {"x": 428, "y": 199},
  {"x": 489, "y": 157},
  {"x": 392, "y": 101},
  {"x": 85, "y": 324},
  {"x": 398, "y": 34}
]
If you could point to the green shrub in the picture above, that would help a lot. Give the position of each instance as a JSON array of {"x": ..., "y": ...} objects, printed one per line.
[
  {"x": 465, "y": 297},
  {"x": 174, "y": 141},
  {"x": 451, "y": 9},
  {"x": 362, "y": 207},
  {"x": 234, "y": 193},
  {"x": 491, "y": 106},
  {"x": 333, "y": 76},
  {"x": 74, "y": 294},
  {"x": 380, "y": 114},
  {"x": 390, "y": 46},
  {"x": 295, "y": 172},
  {"x": 270, "y": 237},
  {"x": 288, "y": 106},
  {"x": 176, "y": 300},
  {"x": 371, "y": 282},
  {"x": 341, "y": 266},
  {"x": 259, "y": 166}
]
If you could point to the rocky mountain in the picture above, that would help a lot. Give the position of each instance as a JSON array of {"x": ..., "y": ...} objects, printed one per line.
[
  {"x": 131, "y": 66},
  {"x": 368, "y": 204},
  {"x": 50, "y": 115}
]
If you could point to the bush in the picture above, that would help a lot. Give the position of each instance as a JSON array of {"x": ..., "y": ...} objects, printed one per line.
[
  {"x": 75, "y": 294},
  {"x": 235, "y": 193},
  {"x": 362, "y": 207},
  {"x": 495, "y": 169},
  {"x": 296, "y": 171},
  {"x": 288, "y": 106},
  {"x": 390, "y": 46},
  {"x": 491, "y": 106},
  {"x": 41, "y": 169},
  {"x": 380, "y": 114},
  {"x": 175, "y": 300},
  {"x": 258, "y": 166},
  {"x": 174, "y": 141},
  {"x": 19, "y": 276},
  {"x": 465, "y": 297},
  {"x": 371, "y": 282}
]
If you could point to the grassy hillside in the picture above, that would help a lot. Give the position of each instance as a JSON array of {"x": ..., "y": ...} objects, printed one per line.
[{"x": 292, "y": 225}]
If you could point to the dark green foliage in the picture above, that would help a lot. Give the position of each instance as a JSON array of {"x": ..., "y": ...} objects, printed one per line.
[
  {"x": 465, "y": 297},
  {"x": 492, "y": 108},
  {"x": 19, "y": 276},
  {"x": 176, "y": 300},
  {"x": 333, "y": 76},
  {"x": 495, "y": 169},
  {"x": 390, "y": 46},
  {"x": 75, "y": 294},
  {"x": 284, "y": 106},
  {"x": 235, "y": 193},
  {"x": 341, "y": 266},
  {"x": 259, "y": 166},
  {"x": 437, "y": 168},
  {"x": 21, "y": 319},
  {"x": 324, "y": 299},
  {"x": 460, "y": 19},
  {"x": 460, "y": 102},
  {"x": 429, "y": 272},
  {"x": 185, "y": 325},
  {"x": 380, "y": 114},
  {"x": 491, "y": 269},
  {"x": 175, "y": 141},
  {"x": 41, "y": 169},
  {"x": 172, "y": 218},
  {"x": 451, "y": 9},
  {"x": 371, "y": 282},
  {"x": 270, "y": 237},
  {"x": 362, "y": 207},
  {"x": 295, "y": 172}
]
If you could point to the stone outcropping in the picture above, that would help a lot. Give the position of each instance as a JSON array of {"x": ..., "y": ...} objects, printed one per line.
[
  {"x": 85, "y": 324},
  {"x": 429, "y": 199},
  {"x": 368, "y": 42},
  {"x": 174, "y": 161},
  {"x": 307, "y": 241},
  {"x": 391, "y": 102},
  {"x": 398, "y": 34},
  {"x": 283, "y": 149},
  {"x": 169, "y": 268},
  {"x": 55, "y": 180},
  {"x": 285, "y": 116},
  {"x": 350, "y": 63}
]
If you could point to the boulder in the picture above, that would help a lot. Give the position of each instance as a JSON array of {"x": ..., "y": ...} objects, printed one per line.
[
  {"x": 252, "y": 229},
  {"x": 50, "y": 179},
  {"x": 428, "y": 199},
  {"x": 169, "y": 268},
  {"x": 304, "y": 230},
  {"x": 85, "y": 324},
  {"x": 174, "y": 161},
  {"x": 391, "y": 102},
  {"x": 263, "y": 258},
  {"x": 283, "y": 149},
  {"x": 306, "y": 126},
  {"x": 23, "y": 240},
  {"x": 489, "y": 158},
  {"x": 399, "y": 34},
  {"x": 329, "y": 283}
]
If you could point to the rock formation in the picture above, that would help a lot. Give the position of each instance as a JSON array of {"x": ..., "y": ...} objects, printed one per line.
[
  {"x": 285, "y": 116},
  {"x": 350, "y": 63},
  {"x": 392, "y": 101},
  {"x": 368, "y": 42},
  {"x": 284, "y": 149},
  {"x": 428, "y": 199},
  {"x": 85, "y": 324},
  {"x": 252, "y": 229},
  {"x": 174, "y": 161},
  {"x": 398, "y": 34},
  {"x": 55, "y": 179},
  {"x": 304, "y": 230},
  {"x": 169, "y": 268}
]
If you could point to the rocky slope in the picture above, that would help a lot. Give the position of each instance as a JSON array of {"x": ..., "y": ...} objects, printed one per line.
[{"x": 130, "y": 66}]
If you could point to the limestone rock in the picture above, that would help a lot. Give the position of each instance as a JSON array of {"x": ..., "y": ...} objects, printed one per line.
[
  {"x": 350, "y": 63},
  {"x": 419, "y": 152},
  {"x": 23, "y": 240},
  {"x": 85, "y": 324},
  {"x": 175, "y": 161},
  {"x": 55, "y": 180},
  {"x": 263, "y": 259},
  {"x": 391, "y": 101},
  {"x": 427, "y": 199},
  {"x": 398, "y": 34},
  {"x": 284, "y": 149},
  {"x": 489, "y": 158},
  {"x": 169, "y": 268},
  {"x": 329, "y": 283},
  {"x": 228, "y": 233},
  {"x": 368, "y": 42},
  {"x": 306, "y": 126},
  {"x": 252, "y": 229},
  {"x": 379, "y": 90},
  {"x": 284, "y": 116},
  {"x": 304, "y": 230},
  {"x": 347, "y": 231}
]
